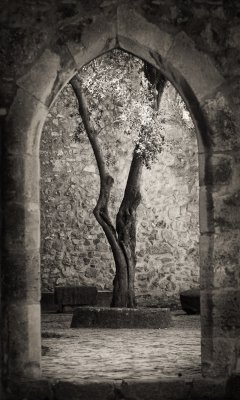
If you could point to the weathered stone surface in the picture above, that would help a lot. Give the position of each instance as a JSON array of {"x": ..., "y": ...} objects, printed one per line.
[
  {"x": 32, "y": 390},
  {"x": 215, "y": 169},
  {"x": 21, "y": 227},
  {"x": 21, "y": 222},
  {"x": 14, "y": 286},
  {"x": 133, "y": 26},
  {"x": 117, "y": 318},
  {"x": 223, "y": 121},
  {"x": 217, "y": 356},
  {"x": 88, "y": 38},
  {"x": 218, "y": 209},
  {"x": 55, "y": 67},
  {"x": 24, "y": 341},
  {"x": 196, "y": 67},
  {"x": 24, "y": 124},
  {"x": 190, "y": 301},
  {"x": 220, "y": 313},
  {"x": 20, "y": 177},
  {"x": 75, "y": 296},
  {"x": 94, "y": 391},
  {"x": 167, "y": 389},
  {"x": 219, "y": 260},
  {"x": 220, "y": 328},
  {"x": 141, "y": 390}
]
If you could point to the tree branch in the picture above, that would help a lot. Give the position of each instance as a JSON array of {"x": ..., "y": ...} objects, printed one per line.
[
  {"x": 157, "y": 80},
  {"x": 126, "y": 220},
  {"x": 106, "y": 181}
]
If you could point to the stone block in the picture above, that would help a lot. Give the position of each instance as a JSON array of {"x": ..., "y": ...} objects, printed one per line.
[
  {"x": 166, "y": 389},
  {"x": 119, "y": 318},
  {"x": 217, "y": 356},
  {"x": 21, "y": 276},
  {"x": 220, "y": 313},
  {"x": 20, "y": 178},
  {"x": 133, "y": 27},
  {"x": 22, "y": 340},
  {"x": 30, "y": 390},
  {"x": 24, "y": 125},
  {"x": 88, "y": 39},
  {"x": 52, "y": 71},
  {"x": 21, "y": 226},
  {"x": 75, "y": 296},
  {"x": 215, "y": 169},
  {"x": 206, "y": 355},
  {"x": 207, "y": 389},
  {"x": 84, "y": 391},
  {"x": 226, "y": 213},
  {"x": 221, "y": 358},
  {"x": 190, "y": 301},
  {"x": 218, "y": 210},
  {"x": 206, "y": 223},
  {"x": 219, "y": 260},
  {"x": 160, "y": 389},
  {"x": 223, "y": 122},
  {"x": 196, "y": 67},
  {"x": 135, "y": 48}
]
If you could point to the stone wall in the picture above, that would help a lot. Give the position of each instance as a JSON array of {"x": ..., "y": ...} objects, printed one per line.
[{"x": 73, "y": 246}]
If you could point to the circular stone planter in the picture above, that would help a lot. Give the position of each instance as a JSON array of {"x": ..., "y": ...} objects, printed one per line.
[{"x": 118, "y": 318}]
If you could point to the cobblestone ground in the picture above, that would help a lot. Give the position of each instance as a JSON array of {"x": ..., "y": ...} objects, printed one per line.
[{"x": 108, "y": 354}]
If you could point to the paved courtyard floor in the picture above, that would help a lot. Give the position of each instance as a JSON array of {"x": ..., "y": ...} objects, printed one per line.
[{"x": 110, "y": 354}]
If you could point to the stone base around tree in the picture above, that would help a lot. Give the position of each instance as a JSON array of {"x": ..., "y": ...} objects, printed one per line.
[{"x": 121, "y": 318}]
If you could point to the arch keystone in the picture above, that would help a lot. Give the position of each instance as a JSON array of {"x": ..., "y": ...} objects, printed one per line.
[
  {"x": 132, "y": 26},
  {"x": 89, "y": 39}
]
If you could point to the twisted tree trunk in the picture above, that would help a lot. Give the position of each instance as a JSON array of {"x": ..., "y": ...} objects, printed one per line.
[
  {"x": 126, "y": 226},
  {"x": 122, "y": 239},
  {"x": 101, "y": 212}
]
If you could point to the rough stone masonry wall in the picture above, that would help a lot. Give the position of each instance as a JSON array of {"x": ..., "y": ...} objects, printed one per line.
[{"x": 74, "y": 250}]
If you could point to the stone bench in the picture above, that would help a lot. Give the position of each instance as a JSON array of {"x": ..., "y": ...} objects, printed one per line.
[
  {"x": 69, "y": 297},
  {"x": 48, "y": 302},
  {"x": 190, "y": 301}
]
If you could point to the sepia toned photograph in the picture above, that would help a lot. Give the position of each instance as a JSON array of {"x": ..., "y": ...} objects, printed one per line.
[{"x": 120, "y": 199}]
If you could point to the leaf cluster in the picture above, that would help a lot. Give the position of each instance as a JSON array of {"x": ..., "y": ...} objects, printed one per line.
[{"x": 120, "y": 100}]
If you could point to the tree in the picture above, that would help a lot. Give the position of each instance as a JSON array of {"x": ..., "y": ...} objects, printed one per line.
[{"x": 122, "y": 236}]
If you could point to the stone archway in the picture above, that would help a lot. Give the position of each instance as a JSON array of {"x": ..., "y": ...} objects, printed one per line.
[{"x": 202, "y": 88}]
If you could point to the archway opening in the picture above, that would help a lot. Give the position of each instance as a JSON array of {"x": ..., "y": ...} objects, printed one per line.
[{"x": 74, "y": 249}]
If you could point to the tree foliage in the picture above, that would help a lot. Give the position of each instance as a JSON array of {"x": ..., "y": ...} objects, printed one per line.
[{"x": 122, "y": 100}]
